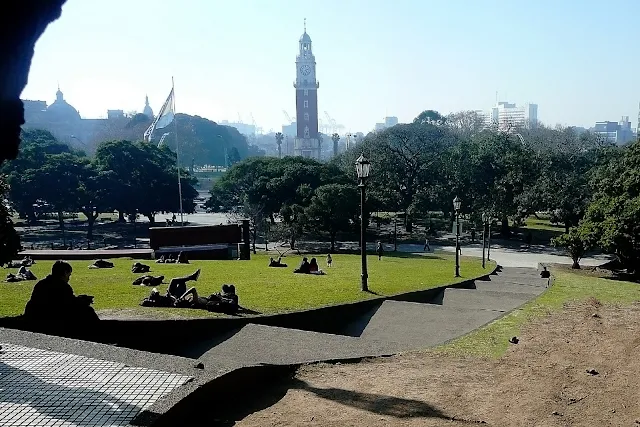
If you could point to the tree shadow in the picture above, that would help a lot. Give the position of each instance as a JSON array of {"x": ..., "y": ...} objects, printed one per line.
[
  {"x": 396, "y": 407},
  {"x": 80, "y": 405}
]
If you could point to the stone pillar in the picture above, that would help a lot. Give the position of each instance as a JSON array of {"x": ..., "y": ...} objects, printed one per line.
[{"x": 245, "y": 249}]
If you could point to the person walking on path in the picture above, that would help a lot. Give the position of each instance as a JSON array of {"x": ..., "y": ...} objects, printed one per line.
[
  {"x": 426, "y": 244},
  {"x": 379, "y": 251}
]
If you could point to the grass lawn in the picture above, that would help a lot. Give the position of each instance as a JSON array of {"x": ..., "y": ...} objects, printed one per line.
[
  {"x": 260, "y": 288},
  {"x": 492, "y": 340}
]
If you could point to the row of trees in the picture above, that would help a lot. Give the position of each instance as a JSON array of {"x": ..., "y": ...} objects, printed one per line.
[
  {"x": 302, "y": 193},
  {"x": 418, "y": 168},
  {"x": 124, "y": 176}
]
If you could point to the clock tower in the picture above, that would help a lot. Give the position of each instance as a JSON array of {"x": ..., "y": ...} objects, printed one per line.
[{"x": 308, "y": 140}]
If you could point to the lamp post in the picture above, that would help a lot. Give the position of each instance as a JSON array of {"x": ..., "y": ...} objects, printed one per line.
[
  {"x": 456, "y": 206},
  {"x": 489, "y": 219},
  {"x": 484, "y": 241},
  {"x": 363, "y": 167}
]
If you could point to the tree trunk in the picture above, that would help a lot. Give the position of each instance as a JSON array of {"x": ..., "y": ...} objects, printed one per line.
[
  {"x": 333, "y": 242},
  {"x": 292, "y": 240},
  {"x": 61, "y": 219},
  {"x": 121, "y": 216},
  {"x": 152, "y": 218},
  {"x": 576, "y": 264},
  {"x": 504, "y": 227},
  {"x": 254, "y": 235},
  {"x": 91, "y": 219}
]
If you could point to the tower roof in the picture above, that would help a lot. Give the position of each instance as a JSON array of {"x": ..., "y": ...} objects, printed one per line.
[{"x": 305, "y": 38}]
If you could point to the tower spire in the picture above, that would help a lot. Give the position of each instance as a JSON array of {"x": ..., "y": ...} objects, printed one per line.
[{"x": 305, "y": 24}]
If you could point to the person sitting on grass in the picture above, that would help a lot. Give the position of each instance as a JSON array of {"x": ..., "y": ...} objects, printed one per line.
[
  {"x": 276, "y": 263},
  {"x": 313, "y": 267},
  {"x": 27, "y": 261},
  {"x": 148, "y": 281},
  {"x": 100, "y": 263},
  {"x": 54, "y": 306},
  {"x": 138, "y": 268},
  {"x": 304, "y": 267},
  {"x": 182, "y": 258},
  {"x": 23, "y": 274}
]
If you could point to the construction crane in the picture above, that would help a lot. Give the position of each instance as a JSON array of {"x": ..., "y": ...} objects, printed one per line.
[
  {"x": 240, "y": 118},
  {"x": 289, "y": 119},
  {"x": 333, "y": 126},
  {"x": 253, "y": 122}
]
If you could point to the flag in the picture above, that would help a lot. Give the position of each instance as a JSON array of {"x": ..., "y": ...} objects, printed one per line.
[{"x": 164, "y": 117}]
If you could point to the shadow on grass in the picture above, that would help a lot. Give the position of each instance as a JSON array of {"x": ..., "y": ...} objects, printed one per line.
[{"x": 409, "y": 255}]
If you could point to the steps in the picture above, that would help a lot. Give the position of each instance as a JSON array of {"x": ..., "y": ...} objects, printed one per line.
[
  {"x": 485, "y": 300},
  {"x": 393, "y": 327},
  {"x": 412, "y": 326}
]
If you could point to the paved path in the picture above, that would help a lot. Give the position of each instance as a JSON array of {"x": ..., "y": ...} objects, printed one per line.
[
  {"x": 39, "y": 387},
  {"x": 514, "y": 257}
]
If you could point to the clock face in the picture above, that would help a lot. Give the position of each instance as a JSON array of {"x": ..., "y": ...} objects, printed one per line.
[{"x": 305, "y": 70}]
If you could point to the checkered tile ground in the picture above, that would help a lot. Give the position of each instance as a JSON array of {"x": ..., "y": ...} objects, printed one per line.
[{"x": 45, "y": 388}]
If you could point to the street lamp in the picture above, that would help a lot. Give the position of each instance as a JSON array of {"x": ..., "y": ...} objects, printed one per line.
[
  {"x": 489, "y": 220},
  {"x": 484, "y": 241},
  {"x": 456, "y": 206},
  {"x": 363, "y": 167}
]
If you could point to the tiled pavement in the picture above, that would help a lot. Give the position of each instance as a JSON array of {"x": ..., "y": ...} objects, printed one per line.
[{"x": 46, "y": 388}]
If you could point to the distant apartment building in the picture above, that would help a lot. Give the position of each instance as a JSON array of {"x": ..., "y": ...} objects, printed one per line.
[
  {"x": 615, "y": 132},
  {"x": 244, "y": 128},
  {"x": 387, "y": 123},
  {"x": 506, "y": 115}
]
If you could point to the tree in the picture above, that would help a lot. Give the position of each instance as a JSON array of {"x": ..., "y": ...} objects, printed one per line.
[
  {"x": 335, "y": 138},
  {"x": 279, "y": 138},
  {"x": 9, "y": 238},
  {"x": 575, "y": 244},
  {"x": 406, "y": 160},
  {"x": 145, "y": 178},
  {"x": 430, "y": 117},
  {"x": 24, "y": 174},
  {"x": 334, "y": 208},
  {"x": 612, "y": 219}
]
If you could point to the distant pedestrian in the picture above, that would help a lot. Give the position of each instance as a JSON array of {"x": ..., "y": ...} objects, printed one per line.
[
  {"x": 379, "y": 251},
  {"x": 329, "y": 260},
  {"x": 426, "y": 245}
]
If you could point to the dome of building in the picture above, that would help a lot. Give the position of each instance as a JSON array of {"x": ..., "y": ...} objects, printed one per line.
[
  {"x": 305, "y": 38},
  {"x": 62, "y": 108}
]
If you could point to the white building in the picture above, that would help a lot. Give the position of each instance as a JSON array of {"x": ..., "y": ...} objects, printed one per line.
[
  {"x": 506, "y": 115},
  {"x": 387, "y": 123}
]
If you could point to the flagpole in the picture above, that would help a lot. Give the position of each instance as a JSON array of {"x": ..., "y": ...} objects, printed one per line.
[{"x": 175, "y": 124}]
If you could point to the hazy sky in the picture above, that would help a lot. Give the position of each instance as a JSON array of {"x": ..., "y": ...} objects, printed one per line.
[{"x": 577, "y": 59}]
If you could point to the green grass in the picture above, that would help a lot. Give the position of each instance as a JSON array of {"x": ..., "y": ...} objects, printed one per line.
[
  {"x": 263, "y": 289},
  {"x": 533, "y": 223},
  {"x": 492, "y": 340}
]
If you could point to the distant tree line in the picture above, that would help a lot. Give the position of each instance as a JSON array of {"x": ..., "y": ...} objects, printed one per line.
[
  {"x": 418, "y": 168},
  {"x": 124, "y": 176}
]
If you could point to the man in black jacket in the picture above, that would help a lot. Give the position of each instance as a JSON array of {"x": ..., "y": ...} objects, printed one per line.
[{"x": 53, "y": 304}]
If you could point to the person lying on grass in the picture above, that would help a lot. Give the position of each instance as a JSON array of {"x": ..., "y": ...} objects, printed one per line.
[
  {"x": 276, "y": 263},
  {"x": 138, "y": 268},
  {"x": 100, "y": 263},
  {"x": 148, "y": 280},
  {"x": 23, "y": 274}
]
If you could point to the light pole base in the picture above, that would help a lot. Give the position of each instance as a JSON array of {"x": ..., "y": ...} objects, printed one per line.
[{"x": 364, "y": 285}]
